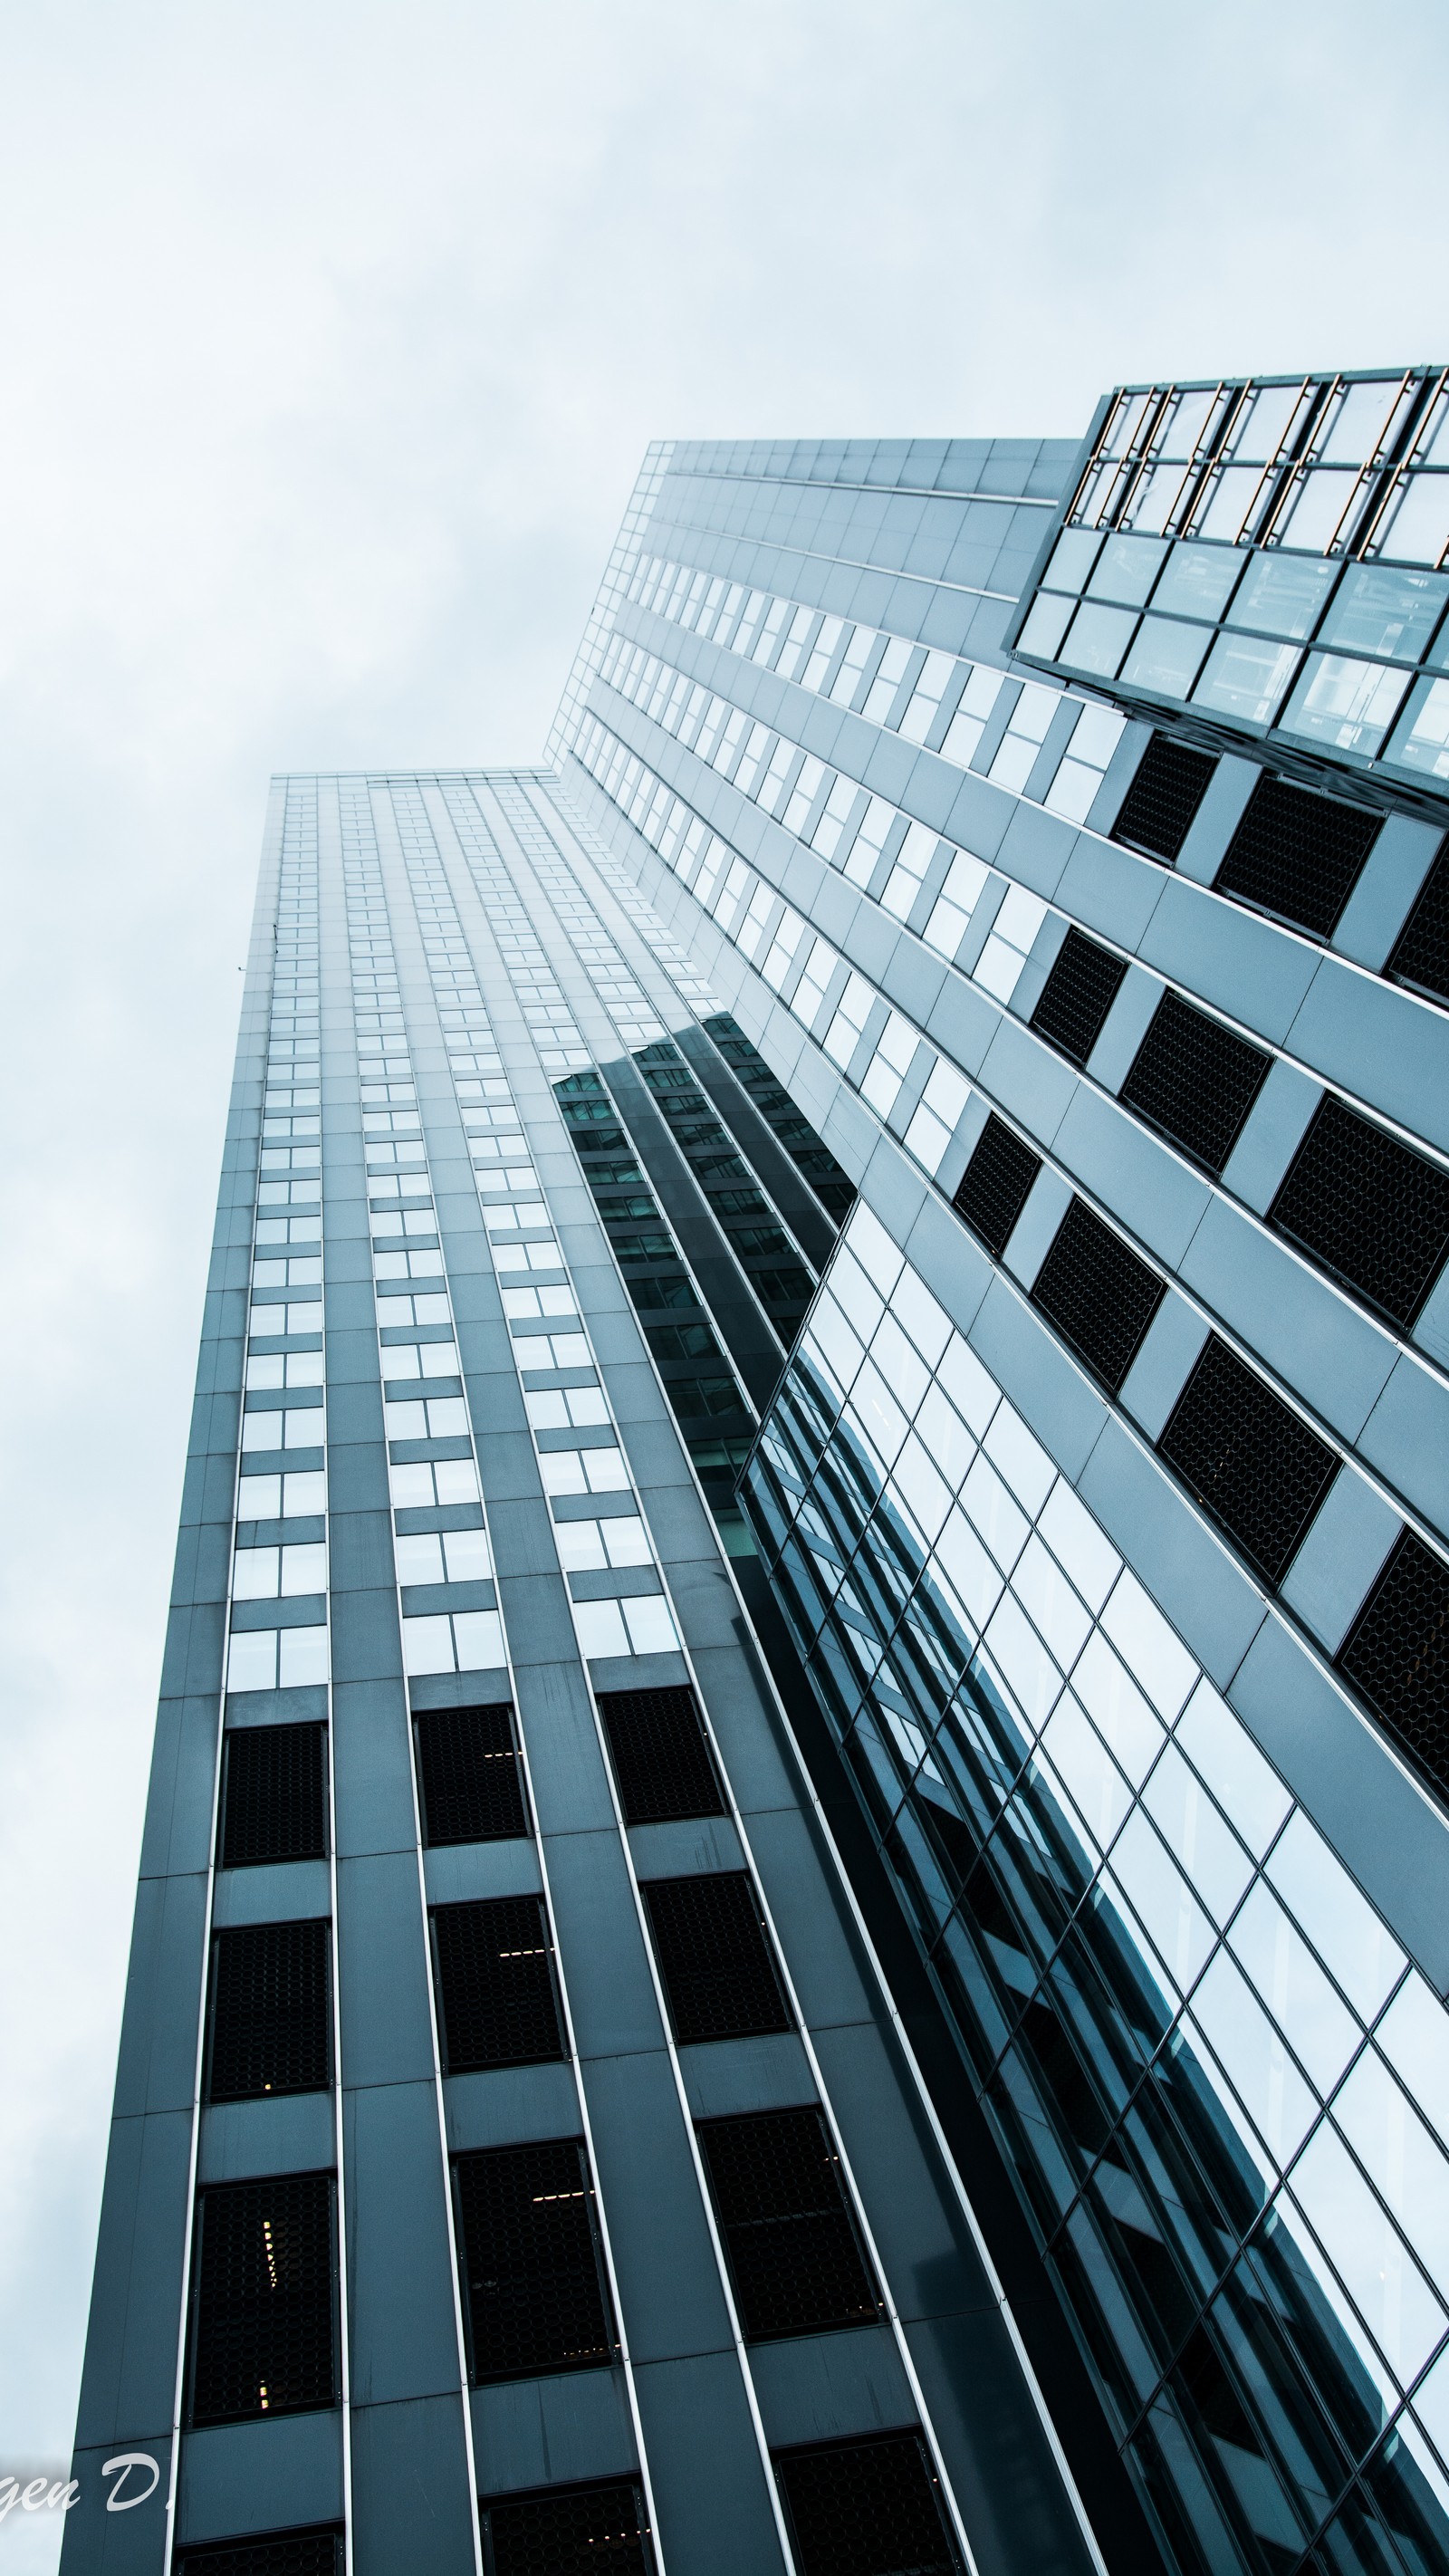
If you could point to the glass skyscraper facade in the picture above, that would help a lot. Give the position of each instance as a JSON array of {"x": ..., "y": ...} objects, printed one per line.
[{"x": 793, "y": 1903}]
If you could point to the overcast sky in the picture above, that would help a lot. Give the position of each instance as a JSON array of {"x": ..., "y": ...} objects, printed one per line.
[{"x": 331, "y": 335}]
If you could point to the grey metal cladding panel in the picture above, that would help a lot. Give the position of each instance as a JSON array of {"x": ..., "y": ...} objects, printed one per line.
[
  {"x": 372, "y": 1783},
  {"x": 1139, "y": 1178},
  {"x": 1381, "y": 1043},
  {"x": 547, "y": 2432},
  {"x": 411, "y": 2500},
  {"x": 240, "y": 2478},
  {"x": 714, "y": 2512},
  {"x": 823, "y": 2388},
  {"x": 177, "y": 1831},
  {"x": 1346, "y": 1543},
  {"x": 1015, "y": 2508},
  {"x": 366, "y": 1640},
  {"x": 669, "y": 2284},
  {"x": 386, "y": 2033},
  {"x": 1184, "y": 1566},
  {"x": 96, "y": 2542},
  {"x": 1247, "y": 968},
  {"x": 401, "y": 2316},
  {"x": 601, "y": 1947},
  {"x": 291, "y": 2133},
  {"x": 1109, "y": 889},
  {"x": 288, "y": 1891},
  {"x": 1031, "y": 1083},
  {"x": 191, "y": 1662},
  {"x": 129, "y": 2381},
  {"x": 1381, "y": 1824},
  {"x": 1053, "y": 1395},
  {"x": 360, "y": 1552},
  {"x": 734, "y": 1692},
  {"x": 920, "y": 2231},
  {"x": 816, "y": 1934},
  {"x": 536, "y": 1614},
  {"x": 509, "y": 2105},
  {"x": 566, "y": 1768},
  {"x": 1407, "y": 1438},
  {"x": 156, "y": 2068},
  {"x": 1321, "y": 1345}
]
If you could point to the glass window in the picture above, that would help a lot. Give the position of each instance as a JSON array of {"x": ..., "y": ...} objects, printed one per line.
[
  {"x": 1245, "y": 679},
  {"x": 1349, "y": 705},
  {"x": 1316, "y": 510},
  {"x": 1197, "y": 580},
  {"x": 792, "y": 651},
  {"x": 1419, "y": 529},
  {"x": 857, "y": 653},
  {"x": 822, "y": 652},
  {"x": 890, "y": 672},
  {"x": 1241, "y": 1780},
  {"x": 1381, "y": 609},
  {"x": 1162, "y": 1900},
  {"x": 1072, "y": 559},
  {"x": 1098, "y": 639},
  {"x": 1126, "y": 569},
  {"x": 951, "y": 915},
  {"x": 1121, "y": 1713},
  {"x": 1156, "y": 1658},
  {"x": 1096, "y": 1784},
  {"x": 1215, "y": 1861},
  {"x": 974, "y": 706},
  {"x": 1414, "y": 2036},
  {"x": 1077, "y": 1543},
  {"x": 926, "y": 696},
  {"x": 1254, "y": 2057},
  {"x": 937, "y": 1115},
  {"x": 1282, "y": 594},
  {"x": 1401, "y": 2157},
  {"x": 1339, "y": 1921},
  {"x": 1368, "y": 2254},
  {"x": 1360, "y": 421},
  {"x": 1422, "y": 739},
  {"x": 1042, "y": 633}
]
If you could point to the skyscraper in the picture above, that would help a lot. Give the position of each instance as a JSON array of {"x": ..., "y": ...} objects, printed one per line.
[{"x": 792, "y": 1913}]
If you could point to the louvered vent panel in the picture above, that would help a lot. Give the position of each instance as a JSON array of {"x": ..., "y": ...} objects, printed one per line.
[
  {"x": 661, "y": 1756},
  {"x": 1397, "y": 1653},
  {"x": 262, "y": 2299},
  {"x": 568, "y": 2531},
  {"x": 496, "y": 2001},
  {"x": 793, "y": 2252},
  {"x": 531, "y": 2273},
  {"x": 1422, "y": 955},
  {"x": 469, "y": 1784},
  {"x": 996, "y": 1185},
  {"x": 1100, "y": 1297},
  {"x": 1370, "y": 1209},
  {"x": 1195, "y": 1080},
  {"x": 1297, "y": 855},
  {"x": 270, "y": 2553},
  {"x": 714, "y": 1956},
  {"x": 1077, "y": 995},
  {"x": 1251, "y": 1462},
  {"x": 1160, "y": 806},
  {"x": 866, "y": 2509},
  {"x": 270, "y": 2011},
  {"x": 274, "y": 1795}
]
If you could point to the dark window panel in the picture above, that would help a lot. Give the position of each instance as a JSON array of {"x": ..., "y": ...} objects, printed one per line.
[
  {"x": 663, "y": 1765},
  {"x": 1249, "y": 1460},
  {"x": 866, "y": 2509},
  {"x": 1161, "y": 804},
  {"x": 495, "y": 1984},
  {"x": 274, "y": 1795},
  {"x": 996, "y": 1184},
  {"x": 1196, "y": 1080},
  {"x": 1297, "y": 855},
  {"x": 1077, "y": 995},
  {"x": 714, "y": 1957},
  {"x": 316, "y": 2552},
  {"x": 470, "y": 1786},
  {"x": 270, "y": 2013},
  {"x": 528, "y": 2249},
  {"x": 263, "y": 2286},
  {"x": 568, "y": 2531},
  {"x": 1421, "y": 956},
  {"x": 793, "y": 2252},
  {"x": 1397, "y": 1653},
  {"x": 1371, "y": 1210},
  {"x": 1100, "y": 1297}
]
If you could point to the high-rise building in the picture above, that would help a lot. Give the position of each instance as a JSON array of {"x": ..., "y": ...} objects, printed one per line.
[{"x": 794, "y": 1903}]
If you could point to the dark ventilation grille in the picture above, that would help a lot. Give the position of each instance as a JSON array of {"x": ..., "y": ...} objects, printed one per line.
[
  {"x": 1077, "y": 995},
  {"x": 1254, "y": 1465},
  {"x": 270, "y": 2011},
  {"x": 496, "y": 2004},
  {"x": 274, "y": 1794},
  {"x": 567, "y": 2531},
  {"x": 1297, "y": 855},
  {"x": 1161, "y": 804},
  {"x": 469, "y": 1788},
  {"x": 1371, "y": 1210},
  {"x": 527, "y": 2246},
  {"x": 1097, "y": 1293},
  {"x": 1397, "y": 1653},
  {"x": 866, "y": 2509},
  {"x": 996, "y": 1185},
  {"x": 661, "y": 1756},
  {"x": 1195, "y": 1080},
  {"x": 714, "y": 1957},
  {"x": 263, "y": 2278},
  {"x": 1422, "y": 955},
  {"x": 794, "y": 2256},
  {"x": 270, "y": 2553}
]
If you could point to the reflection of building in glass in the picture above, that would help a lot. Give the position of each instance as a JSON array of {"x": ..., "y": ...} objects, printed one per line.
[{"x": 831, "y": 1562}]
